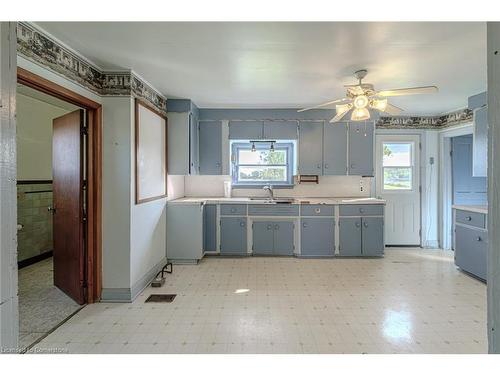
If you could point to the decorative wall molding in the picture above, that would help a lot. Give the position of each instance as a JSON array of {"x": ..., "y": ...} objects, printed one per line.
[
  {"x": 426, "y": 122},
  {"x": 41, "y": 49}
]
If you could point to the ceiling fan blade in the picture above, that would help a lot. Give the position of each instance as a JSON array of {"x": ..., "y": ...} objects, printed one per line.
[
  {"x": 393, "y": 110},
  {"x": 341, "y": 112},
  {"x": 343, "y": 100},
  {"x": 408, "y": 91}
]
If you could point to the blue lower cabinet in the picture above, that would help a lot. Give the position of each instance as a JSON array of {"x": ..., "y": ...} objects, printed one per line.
[
  {"x": 210, "y": 227},
  {"x": 233, "y": 236},
  {"x": 471, "y": 250},
  {"x": 273, "y": 237},
  {"x": 317, "y": 237},
  {"x": 283, "y": 238},
  {"x": 350, "y": 236},
  {"x": 372, "y": 236},
  {"x": 263, "y": 238}
]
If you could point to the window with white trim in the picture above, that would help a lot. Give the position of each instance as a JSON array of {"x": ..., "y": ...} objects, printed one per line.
[
  {"x": 260, "y": 163},
  {"x": 397, "y": 165}
]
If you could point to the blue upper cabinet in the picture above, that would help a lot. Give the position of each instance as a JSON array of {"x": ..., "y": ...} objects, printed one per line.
[
  {"x": 252, "y": 130},
  {"x": 183, "y": 137},
  {"x": 335, "y": 149},
  {"x": 361, "y": 148},
  {"x": 210, "y": 147},
  {"x": 310, "y": 148},
  {"x": 277, "y": 130}
]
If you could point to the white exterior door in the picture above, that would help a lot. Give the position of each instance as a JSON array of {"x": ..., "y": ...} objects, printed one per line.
[{"x": 398, "y": 181}]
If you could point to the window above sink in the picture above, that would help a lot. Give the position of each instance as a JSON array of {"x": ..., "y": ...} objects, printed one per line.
[{"x": 255, "y": 164}]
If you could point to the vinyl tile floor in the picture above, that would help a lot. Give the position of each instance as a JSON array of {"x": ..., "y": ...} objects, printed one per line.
[
  {"x": 42, "y": 306},
  {"x": 410, "y": 301}
]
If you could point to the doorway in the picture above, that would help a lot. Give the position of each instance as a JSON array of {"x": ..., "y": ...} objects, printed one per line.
[
  {"x": 59, "y": 195},
  {"x": 398, "y": 182}
]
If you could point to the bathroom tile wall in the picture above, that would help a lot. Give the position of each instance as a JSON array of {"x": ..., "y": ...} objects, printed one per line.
[{"x": 35, "y": 237}]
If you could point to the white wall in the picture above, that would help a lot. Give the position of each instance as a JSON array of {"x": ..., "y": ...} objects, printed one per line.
[
  {"x": 329, "y": 186},
  {"x": 9, "y": 322},
  {"x": 116, "y": 191},
  {"x": 34, "y": 137}
]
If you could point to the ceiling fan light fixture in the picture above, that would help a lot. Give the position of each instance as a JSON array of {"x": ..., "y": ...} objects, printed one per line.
[
  {"x": 380, "y": 104},
  {"x": 360, "y": 101},
  {"x": 360, "y": 114}
]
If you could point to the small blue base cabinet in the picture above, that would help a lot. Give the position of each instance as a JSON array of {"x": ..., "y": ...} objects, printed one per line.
[
  {"x": 361, "y": 230},
  {"x": 233, "y": 235},
  {"x": 317, "y": 237},
  {"x": 273, "y": 237},
  {"x": 471, "y": 242}
]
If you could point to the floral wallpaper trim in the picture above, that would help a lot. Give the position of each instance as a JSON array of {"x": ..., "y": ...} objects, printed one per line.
[
  {"x": 39, "y": 48},
  {"x": 426, "y": 122}
]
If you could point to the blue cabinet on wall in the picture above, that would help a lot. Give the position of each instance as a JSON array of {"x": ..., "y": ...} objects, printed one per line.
[
  {"x": 335, "y": 149},
  {"x": 252, "y": 130},
  {"x": 317, "y": 237},
  {"x": 273, "y": 237},
  {"x": 361, "y": 148},
  {"x": 233, "y": 235},
  {"x": 210, "y": 147},
  {"x": 310, "y": 148}
]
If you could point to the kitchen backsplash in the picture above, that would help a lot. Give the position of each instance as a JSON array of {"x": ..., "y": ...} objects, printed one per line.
[{"x": 329, "y": 186}]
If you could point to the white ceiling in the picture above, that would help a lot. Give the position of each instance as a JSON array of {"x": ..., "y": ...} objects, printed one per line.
[{"x": 289, "y": 65}]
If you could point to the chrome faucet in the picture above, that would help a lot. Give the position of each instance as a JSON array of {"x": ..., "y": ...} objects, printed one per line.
[{"x": 269, "y": 190}]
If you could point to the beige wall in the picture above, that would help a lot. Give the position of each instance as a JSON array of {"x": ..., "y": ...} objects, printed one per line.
[{"x": 34, "y": 138}]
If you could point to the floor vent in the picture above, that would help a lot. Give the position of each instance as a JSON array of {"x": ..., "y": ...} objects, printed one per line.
[{"x": 161, "y": 298}]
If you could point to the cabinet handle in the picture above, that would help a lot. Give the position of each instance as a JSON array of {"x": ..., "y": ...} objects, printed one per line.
[
  {"x": 478, "y": 239},
  {"x": 357, "y": 225},
  {"x": 242, "y": 223},
  {"x": 365, "y": 225},
  {"x": 326, "y": 166},
  {"x": 317, "y": 210},
  {"x": 233, "y": 209},
  {"x": 269, "y": 227},
  {"x": 468, "y": 218},
  {"x": 361, "y": 210},
  {"x": 318, "y": 166},
  {"x": 276, "y": 227},
  {"x": 304, "y": 225},
  {"x": 217, "y": 165}
]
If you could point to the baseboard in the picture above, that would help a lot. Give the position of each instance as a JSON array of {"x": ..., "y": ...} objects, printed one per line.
[
  {"x": 130, "y": 294},
  {"x": 37, "y": 258},
  {"x": 431, "y": 244},
  {"x": 144, "y": 281}
]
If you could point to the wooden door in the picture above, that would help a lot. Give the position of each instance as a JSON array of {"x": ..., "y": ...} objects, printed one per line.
[{"x": 67, "y": 175}]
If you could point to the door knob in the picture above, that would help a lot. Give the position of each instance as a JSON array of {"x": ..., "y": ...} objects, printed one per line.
[{"x": 51, "y": 209}]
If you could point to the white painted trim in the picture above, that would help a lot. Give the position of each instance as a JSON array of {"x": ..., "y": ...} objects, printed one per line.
[{"x": 445, "y": 181}]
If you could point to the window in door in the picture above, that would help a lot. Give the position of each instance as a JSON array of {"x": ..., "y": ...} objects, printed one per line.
[
  {"x": 256, "y": 164},
  {"x": 397, "y": 166}
]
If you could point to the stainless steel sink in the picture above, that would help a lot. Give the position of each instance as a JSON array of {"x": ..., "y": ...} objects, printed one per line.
[{"x": 273, "y": 201}]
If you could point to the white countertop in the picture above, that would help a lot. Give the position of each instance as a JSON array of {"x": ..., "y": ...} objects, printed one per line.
[
  {"x": 299, "y": 200},
  {"x": 471, "y": 208}
]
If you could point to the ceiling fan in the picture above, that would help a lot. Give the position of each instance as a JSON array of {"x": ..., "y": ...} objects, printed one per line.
[{"x": 362, "y": 96}]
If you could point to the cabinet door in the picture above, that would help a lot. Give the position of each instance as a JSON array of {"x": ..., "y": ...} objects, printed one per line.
[
  {"x": 283, "y": 238},
  {"x": 310, "y": 148},
  {"x": 335, "y": 149},
  {"x": 471, "y": 250},
  {"x": 274, "y": 130},
  {"x": 194, "y": 166},
  {"x": 210, "y": 147},
  {"x": 361, "y": 148},
  {"x": 263, "y": 237},
  {"x": 317, "y": 237},
  {"x": 251, "y": 130},
  {"x": 373, "y": 236},
  {"x": 350, "y": 236},
  {"x": 210, "y": 227},
  {"x": 233, "y": 236}
]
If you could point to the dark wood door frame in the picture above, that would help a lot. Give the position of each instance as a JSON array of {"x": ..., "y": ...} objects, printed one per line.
[{"x": 94, "y": 174}]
